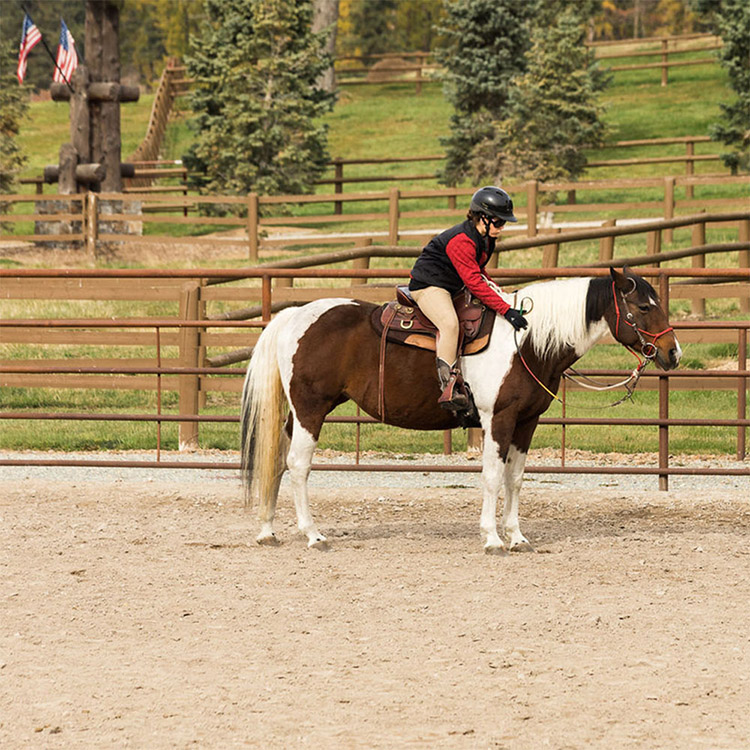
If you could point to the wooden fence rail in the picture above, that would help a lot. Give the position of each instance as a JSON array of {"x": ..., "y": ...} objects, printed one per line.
[{"x": 96, "y": 218}]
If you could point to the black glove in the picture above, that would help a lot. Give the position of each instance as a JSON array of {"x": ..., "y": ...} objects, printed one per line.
[{"x": 515, "y": 318}]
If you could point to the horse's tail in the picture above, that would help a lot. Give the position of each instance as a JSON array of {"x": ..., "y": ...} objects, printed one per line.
[{"x": 264, "y": 408}]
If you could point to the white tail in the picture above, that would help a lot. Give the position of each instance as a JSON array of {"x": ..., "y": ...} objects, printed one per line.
[{"x": 264, "y": 409}]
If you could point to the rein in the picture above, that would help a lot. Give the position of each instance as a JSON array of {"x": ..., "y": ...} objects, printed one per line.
[{"x": 648, "y": 350}]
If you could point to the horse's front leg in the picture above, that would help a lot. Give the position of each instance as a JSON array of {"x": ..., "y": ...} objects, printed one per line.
[
  {"x": 492, "y": 477},
  {"x": 514, "y": 466},
  {"x": 515, "y": 462}
]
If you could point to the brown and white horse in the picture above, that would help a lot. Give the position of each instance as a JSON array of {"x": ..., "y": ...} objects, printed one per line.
[{"x": 312, "y": 358}]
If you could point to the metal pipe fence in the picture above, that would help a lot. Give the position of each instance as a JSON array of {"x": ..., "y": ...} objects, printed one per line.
[{"x": 662, "y": 422}]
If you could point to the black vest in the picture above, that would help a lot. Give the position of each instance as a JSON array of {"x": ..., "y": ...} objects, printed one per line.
[{"x": 434, "y": 268}]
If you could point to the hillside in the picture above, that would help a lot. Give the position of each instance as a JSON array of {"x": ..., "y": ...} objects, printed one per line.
[{"x": 391, "y": 121}]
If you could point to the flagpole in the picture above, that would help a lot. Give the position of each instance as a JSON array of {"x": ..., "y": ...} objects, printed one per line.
[{"x": 49, "y": 51}]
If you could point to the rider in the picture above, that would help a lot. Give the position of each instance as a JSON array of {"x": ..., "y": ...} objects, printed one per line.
[{"x": 451, "y": 261}]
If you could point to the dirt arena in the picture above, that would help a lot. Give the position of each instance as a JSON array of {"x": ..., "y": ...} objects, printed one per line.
[{"x": 141, "y": 614}]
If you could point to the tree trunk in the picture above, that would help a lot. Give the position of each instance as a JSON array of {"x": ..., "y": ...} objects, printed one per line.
[{"x": 326, "y": 16}]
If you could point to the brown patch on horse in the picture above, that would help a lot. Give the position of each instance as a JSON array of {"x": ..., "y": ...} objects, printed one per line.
[
  {"x": 344, "y": 335},
  {"x": 521, "y": 400}
]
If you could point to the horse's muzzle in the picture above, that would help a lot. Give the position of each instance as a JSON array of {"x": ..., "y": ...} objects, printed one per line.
[{"x": 668, "y": 359}]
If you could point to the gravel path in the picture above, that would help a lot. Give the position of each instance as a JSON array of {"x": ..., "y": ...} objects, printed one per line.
[{"x": 395, "y": 479}]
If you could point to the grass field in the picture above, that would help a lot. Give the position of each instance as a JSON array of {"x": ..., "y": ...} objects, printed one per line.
[{"x": 381, "y": 122}]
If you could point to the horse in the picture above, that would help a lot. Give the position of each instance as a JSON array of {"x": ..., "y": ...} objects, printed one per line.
[{"x": 310, "y": 359}]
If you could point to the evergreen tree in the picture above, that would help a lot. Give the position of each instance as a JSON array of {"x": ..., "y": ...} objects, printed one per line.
[
  {"x": 255, "y": 98},
  {"x": 732, "y": 19},
  {"x": 553, "y": 112},
  {"x": 13, "y": 107},
  {"x": 485, "y": 45}
]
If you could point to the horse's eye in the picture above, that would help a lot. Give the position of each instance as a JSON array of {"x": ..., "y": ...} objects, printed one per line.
[{"x": 644, "y": 308}]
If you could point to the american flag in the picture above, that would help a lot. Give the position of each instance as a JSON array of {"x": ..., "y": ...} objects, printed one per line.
[
  {"x": 67, "y": 57},
  {"x": 30, "y": 37}
]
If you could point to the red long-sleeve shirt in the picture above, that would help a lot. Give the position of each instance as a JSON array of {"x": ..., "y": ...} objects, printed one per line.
[{"x": 462, "y": 253}]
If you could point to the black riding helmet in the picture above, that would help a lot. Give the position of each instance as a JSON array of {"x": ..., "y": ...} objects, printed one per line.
[{"x": 493, "y": 202}]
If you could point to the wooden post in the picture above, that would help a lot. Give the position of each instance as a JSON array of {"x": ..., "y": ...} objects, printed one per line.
[
  {"x": 698, "y": 306},
  {"x": 92, "y": 222},
  {"x": 252, "y": 226},
  {"x": 80, "y": 124},
  {"x": 393, "y": 213},
  {"x": 266, "y": 300},
  {"x": 744, "y": 260},
  {"x": 67, "y": 184},
  {"x": 532, "y": 192},
  {"x": 653, "y": 245},
  {"x": 109, "y": 112},
  {"x": 689, "y": 166},
  {"x": 362, "y": 262},
  {"x": 607, "y": 244},
  {"x": 447, "y": 442},
  {"x": 189, "y": 339},
  {"x": 338, "y": 185},
  {"x": 668, "y": 206},
  {"x": 551, "y": 252},
  {"x": 420, "y": 63},
  {"x": 664, "y": 61}
]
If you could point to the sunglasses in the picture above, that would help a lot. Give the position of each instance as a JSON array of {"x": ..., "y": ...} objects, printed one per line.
[{"x": 497, "y": 223}]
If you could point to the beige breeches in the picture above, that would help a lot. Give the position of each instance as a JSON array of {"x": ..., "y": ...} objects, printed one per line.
[{"x": 437, "y": 305}]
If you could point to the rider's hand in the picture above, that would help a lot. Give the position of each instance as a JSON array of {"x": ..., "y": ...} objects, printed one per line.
[{"x": 515, "y": 318}]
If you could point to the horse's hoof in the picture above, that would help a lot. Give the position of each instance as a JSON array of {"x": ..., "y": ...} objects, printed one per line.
[
  {"x": 270, "y": 540},
  {"x": 494, "y": 549},
  {"x": 522, "y": 547},
  {"x": 319, "y": 544}
]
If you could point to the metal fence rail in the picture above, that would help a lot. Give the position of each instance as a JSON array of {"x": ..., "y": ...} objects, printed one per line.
[{"x": 662, "y": 422}]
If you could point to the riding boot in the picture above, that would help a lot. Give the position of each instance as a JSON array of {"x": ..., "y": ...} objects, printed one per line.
[{"x": 453, "y": 396}]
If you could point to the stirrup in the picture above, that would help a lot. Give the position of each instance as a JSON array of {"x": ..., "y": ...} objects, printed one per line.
[{"x": 454, "y": 396}]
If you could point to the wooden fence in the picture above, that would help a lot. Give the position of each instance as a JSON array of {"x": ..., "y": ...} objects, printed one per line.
[
  {"x": 80, "y": 218},
  {"x": 690, "y": 158},
  {"x": 418, "y": 68}
]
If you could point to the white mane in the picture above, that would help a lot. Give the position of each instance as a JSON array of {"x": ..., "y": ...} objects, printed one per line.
[{"x": 558, "y": 317}]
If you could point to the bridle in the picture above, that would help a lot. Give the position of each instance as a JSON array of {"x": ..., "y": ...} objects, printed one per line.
[
  {"x": 648, "y": 348},
  {"x": 648, "y": 351}
]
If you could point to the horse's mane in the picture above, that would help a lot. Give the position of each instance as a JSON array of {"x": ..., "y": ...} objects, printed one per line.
[{"x": 559, "y": 317}]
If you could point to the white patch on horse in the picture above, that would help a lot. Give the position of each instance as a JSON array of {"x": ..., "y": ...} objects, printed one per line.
[
  {"x": 485, "y": 372},
  {"x": 558, "y": 317}
]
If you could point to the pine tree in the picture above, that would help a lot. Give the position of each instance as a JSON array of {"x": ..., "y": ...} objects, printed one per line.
[
  {"x": 553, "y": 111},
  {"x": 255, "y": 100},
  {"x": 732, "y": 18},
  {"x": 485, "y": 46},
  {"x": 13, "y": 107}
]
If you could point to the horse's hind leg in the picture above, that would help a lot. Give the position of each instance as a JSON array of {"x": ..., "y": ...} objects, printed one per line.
[
  {"x": 299, "y": 460},
  {"x": 268, "y": 512}
]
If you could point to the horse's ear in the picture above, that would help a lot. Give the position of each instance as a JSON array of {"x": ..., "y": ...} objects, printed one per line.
[
  {"x": 621, "y": 281},
  {"x": 625, "y": 282}
]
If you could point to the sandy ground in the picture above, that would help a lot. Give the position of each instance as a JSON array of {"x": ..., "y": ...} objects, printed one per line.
[{"x": 143, "y": 615}]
